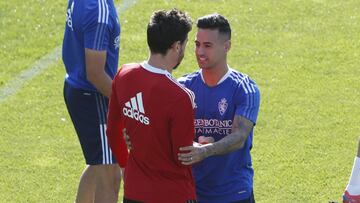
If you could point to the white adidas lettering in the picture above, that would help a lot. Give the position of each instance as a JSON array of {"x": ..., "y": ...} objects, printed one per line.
[{"x": 135, "y": 109}]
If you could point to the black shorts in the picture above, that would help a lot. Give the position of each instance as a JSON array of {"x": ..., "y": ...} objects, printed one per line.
[
  {"x": 88, "y": 111},
  {"x": 251, "y": 199}
]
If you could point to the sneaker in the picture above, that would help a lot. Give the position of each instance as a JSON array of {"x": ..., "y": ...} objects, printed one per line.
[{"x": 347, "y": 198}]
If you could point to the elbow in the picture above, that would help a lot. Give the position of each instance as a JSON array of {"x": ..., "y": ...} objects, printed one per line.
[
  {"x": 237, "y": 146},
  {"x": 241, "y": 145},
  {"x": 241, "y": 142}
]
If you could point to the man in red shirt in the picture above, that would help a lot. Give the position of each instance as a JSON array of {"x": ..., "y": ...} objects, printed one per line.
[{"x": 158, "y": 114}]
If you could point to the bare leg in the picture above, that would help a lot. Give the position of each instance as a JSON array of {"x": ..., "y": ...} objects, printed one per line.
[
  {"x": 107, "y": 183},
  {"x": 99, "y": 183},
  {"x": 87, "y": 186}
]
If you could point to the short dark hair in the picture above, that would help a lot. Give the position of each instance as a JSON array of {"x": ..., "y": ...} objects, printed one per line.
[
  {"x": 167, "y": 27},
  {"x": 215, "y": 22}
]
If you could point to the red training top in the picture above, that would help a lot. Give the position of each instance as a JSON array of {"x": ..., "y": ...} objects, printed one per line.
[{"x": 159, "y": 117}]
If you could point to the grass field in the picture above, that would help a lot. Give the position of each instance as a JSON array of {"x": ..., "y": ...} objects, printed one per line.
[{"x": 304, "y": 55}]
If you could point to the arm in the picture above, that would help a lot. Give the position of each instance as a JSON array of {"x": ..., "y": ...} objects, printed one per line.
[
  {"x": 115, "y": 125},
  {"x": 95, "y": 71},
  {"x": 95, "y": 47},
  {"x": 244, "y": 120},
  {"x": 240, "y": 131}
]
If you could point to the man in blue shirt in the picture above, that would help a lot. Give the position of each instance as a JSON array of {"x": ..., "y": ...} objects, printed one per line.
[
  {"x": 90, "y": 55},
  {"x": 227, "y": 105}
]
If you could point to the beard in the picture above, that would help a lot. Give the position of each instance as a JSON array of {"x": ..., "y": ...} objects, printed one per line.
[
  {"x": 181, "y": 56},
  {"x": 176, "y": 66}
]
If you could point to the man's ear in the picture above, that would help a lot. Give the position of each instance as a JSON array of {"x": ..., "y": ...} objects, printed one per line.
[
  {"x": 176, "y": 46},
  {"x": 227, "y": 45}
]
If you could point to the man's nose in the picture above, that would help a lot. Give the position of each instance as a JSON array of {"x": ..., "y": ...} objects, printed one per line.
[{"x": 200, "y": 51}]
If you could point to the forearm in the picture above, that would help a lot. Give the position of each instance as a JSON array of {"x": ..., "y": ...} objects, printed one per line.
[
  {"x": 102, "y": 82},
  {"x": 236, "y": 140},
  {"x": 95, "y": 71},
  {"x": 241, "y": 129},
  {"x": 232, "y": 142}
]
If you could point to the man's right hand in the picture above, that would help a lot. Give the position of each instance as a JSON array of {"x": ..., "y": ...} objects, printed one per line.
[{"x": 127, "y": 139}]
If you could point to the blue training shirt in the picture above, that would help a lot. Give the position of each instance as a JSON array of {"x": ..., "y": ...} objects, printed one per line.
[
  {"x": 91, "y": 24},
  {"x": 229, "y": 177}
]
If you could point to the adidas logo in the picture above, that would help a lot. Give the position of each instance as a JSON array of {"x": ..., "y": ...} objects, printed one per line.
[{"x": 135, "y": 109}]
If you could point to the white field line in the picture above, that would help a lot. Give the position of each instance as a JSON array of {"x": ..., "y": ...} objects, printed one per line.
[{"x": 44, "y": 63}]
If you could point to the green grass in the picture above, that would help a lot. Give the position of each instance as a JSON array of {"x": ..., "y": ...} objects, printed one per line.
[
  {"x": 304, "y": 55},
  {"x": 28, "y": 30}
]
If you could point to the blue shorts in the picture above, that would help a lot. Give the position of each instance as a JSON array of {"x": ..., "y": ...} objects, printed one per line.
[{"x": 88, "y": 111}]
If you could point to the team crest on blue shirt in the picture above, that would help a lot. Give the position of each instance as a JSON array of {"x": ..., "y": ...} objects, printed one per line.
[{"x": 222, "y": 105}]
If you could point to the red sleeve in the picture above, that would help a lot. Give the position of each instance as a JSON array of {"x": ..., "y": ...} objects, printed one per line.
[
  {"x": 115, "y": 124},
  {"x": 182, "y": 126}
]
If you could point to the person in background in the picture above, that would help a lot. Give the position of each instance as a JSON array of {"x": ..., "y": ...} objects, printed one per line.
[
  {"x": 90, "y": 54},
  {"x": 352, "y": 190}
]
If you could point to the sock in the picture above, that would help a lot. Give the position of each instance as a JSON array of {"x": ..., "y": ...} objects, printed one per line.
[{"x": 353, "y": 186}]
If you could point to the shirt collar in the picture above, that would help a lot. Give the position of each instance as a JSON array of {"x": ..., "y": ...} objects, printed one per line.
[
  {"x": 153, "y": 69},
  {"x": 222, "y": 79}
]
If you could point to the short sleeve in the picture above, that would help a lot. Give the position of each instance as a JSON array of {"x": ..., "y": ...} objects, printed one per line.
[
  {"x": 96, "y": 27},
  {"x": 182, "y": 80},
  {"x": 248, "y": 101}
]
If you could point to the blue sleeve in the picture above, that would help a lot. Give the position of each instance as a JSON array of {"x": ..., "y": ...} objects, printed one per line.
[
  {"x": 96, "y": 26},
  {"x": 182, "y": 80},
  {"x": 248, "y": 101}
]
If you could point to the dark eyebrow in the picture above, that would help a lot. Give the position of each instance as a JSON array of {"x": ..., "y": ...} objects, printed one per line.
[{"x": 196, "y": 41}]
